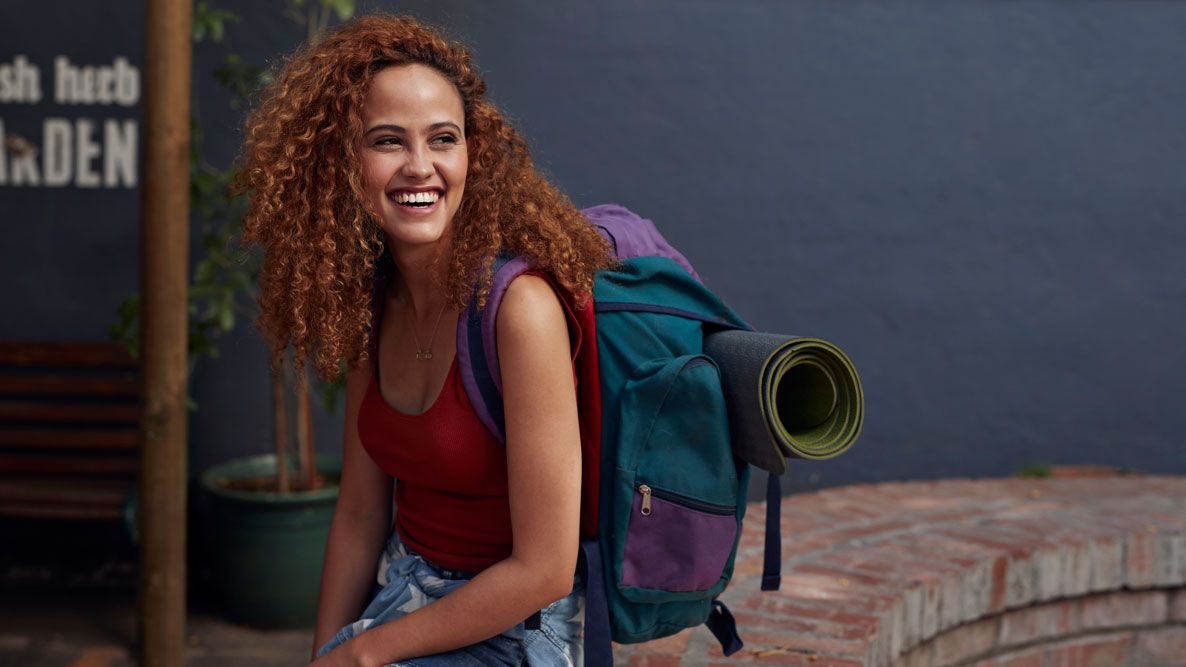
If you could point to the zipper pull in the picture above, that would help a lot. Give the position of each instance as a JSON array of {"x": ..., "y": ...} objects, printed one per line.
[{"x": 646, "y": 499}]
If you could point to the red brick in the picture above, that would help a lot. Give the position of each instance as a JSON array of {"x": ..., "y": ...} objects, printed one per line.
[
  {"x": 929, "y": 619},
  {"x": 962, "y": 515},
  {"x": 748, "y": 622},
  {"x": 1049, "y": 562},
  {"x": 1033, "y": 529},
  {"x": 820, "y": 587},
  {"x": 1138, "y": 560},
  {"x": 862, "y": 511},
  {"x": 1075, "y": 577},
  {"x": 1167, "y": 522},
  {"x": 1100, "y": 523},
  {"x": 965, "y": 642},
  {"x": 1117, "y": 522},
  {"x": 1041, "y": 622},
  {"x": 772, "y": 603},
  {"x": 797, "y": 546},
  {"x": 1161, "y": 646},
  {"x": 1021, "y": 579},
  {"x": 1169, "y": 559},
  {"x": 1107, "y": 564},
  {"x": 1090, "y": 651},
  {"x": 974, "y": 591},
  {"x": 1124, "y": 608},
  {"x": 920, "y": 656},
  {"x": 1177, "y": 611},
  {"x": 834, "y": 516},
  {"x": 800, "y": 524},
  {"x": 996, "y": 600},
  {"x": 791, "y": 658},
  {"x": 769, "y": 659},
  {"x": 902, "y": 553},
  {"x": 844, "y": 578},
  {"x": 870, "y": 531},
  {"x": 769, "y": 639},
  {"x": 1031, "y": 658},
  {"x": 974, "y": 535},
  {"x": 655, "y": 661}
]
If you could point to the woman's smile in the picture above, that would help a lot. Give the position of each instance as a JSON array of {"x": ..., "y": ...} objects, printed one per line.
[{"x": 417, "y": 201}]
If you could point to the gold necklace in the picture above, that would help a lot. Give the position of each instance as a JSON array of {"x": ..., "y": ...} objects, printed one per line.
[{"x": 426, "y": 353}]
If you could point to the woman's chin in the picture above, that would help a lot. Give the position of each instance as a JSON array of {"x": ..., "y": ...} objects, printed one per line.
[{"x": 413, "y": 234}]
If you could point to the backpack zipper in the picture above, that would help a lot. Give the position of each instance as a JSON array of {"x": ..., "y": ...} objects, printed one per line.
[{"x": 691, "y": 503}]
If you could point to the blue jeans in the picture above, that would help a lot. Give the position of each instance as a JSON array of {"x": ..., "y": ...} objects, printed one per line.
[{"x": 407, "y": 582}]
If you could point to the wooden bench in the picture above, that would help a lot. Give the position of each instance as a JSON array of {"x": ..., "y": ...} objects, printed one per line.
[{"x": 69, "y": 430}]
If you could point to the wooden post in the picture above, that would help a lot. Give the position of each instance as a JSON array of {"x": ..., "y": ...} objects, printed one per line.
[
  {"x": 280, "y": 426},
  {"x": 164, "y": 254},
  {"x": 305, "y": 449}
]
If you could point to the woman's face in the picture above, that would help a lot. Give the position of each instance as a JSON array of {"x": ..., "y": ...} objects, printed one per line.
[{"x": 414, "y": 157}]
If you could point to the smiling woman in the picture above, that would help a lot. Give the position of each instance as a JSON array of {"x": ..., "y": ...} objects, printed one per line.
[{"x": 383, "y": 186}]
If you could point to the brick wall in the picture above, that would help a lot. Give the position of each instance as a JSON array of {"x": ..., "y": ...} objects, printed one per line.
[{"x": 999, "y": 572}]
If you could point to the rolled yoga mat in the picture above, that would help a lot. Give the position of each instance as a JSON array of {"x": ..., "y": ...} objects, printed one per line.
[{"x": 787, "y": 396}]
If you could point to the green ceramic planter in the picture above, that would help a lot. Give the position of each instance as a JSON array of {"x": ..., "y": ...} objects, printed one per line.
[{"x": 264, "y": 550}]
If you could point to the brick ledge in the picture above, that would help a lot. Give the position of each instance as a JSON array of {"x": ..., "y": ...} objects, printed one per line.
[{"x": 871, "y": 572}]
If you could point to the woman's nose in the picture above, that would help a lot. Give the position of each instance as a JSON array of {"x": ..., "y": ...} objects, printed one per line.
[{"x": 418, "y": 165}]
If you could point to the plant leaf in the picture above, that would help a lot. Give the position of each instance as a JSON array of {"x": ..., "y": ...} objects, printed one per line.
[{"x": 344, "y": 9}]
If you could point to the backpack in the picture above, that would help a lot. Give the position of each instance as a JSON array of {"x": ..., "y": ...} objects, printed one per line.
[{"x": 663, "y": 494}]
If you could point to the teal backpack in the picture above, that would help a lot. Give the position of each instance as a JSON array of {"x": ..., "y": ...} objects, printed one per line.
[{"x": 664, "y": 493}]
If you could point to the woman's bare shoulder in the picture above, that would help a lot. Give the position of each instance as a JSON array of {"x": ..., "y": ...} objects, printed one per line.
[{"x": 530, "y": 308}]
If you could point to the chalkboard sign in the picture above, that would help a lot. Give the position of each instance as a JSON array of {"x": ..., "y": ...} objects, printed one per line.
[{"x": 71, "y": 89}]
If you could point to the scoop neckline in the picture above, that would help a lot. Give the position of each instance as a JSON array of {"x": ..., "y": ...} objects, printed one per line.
[{"x": 435, "y": 401}]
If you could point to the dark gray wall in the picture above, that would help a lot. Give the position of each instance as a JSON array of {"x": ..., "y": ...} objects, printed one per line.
[{"x": 982, "y": 202}]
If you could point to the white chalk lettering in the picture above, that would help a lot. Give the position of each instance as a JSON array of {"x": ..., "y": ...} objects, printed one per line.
[
  {"x": 118, "y": 83},
  {"x": 85, "y": 151},
  {"x": 57, "y": 138},
  {"x": 20, "y": 81},
  {"x": 69, "y": 154},
  {"x": 127, "y": 82},
  {"x": 119, "y": 153}
]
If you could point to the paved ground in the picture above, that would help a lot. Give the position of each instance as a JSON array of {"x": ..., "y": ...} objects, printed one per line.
[
  {"x": 97, "y": 629},
  {"x": 68, "y": 599}
]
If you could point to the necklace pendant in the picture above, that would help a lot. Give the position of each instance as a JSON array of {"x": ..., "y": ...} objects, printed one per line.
[{"x": 424, "y": 355}]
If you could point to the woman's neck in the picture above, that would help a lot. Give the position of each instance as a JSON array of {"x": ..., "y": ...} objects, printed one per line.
[{"x": 420, "y": 273}]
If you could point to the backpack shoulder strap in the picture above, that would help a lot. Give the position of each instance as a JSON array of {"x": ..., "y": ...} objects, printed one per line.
[
  {"x": 481, "y": 375},
  {"x": 477, "y": 353}
]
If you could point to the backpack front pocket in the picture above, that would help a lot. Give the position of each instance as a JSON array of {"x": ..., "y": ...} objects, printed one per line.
[
  {"x": 676, "y": 485},
  {"x": 675, "y": 543}
]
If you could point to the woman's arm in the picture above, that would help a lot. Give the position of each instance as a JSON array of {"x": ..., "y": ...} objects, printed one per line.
[
  {"x": 544, "y": 474},
  {"x": 362, "y": 521}
]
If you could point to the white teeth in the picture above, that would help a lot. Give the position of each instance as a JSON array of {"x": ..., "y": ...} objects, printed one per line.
[{"x": 417, "y": 197}]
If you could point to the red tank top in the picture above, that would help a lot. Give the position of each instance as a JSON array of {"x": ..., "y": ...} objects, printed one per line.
[
  {"x": 451, "y": 476},
  {"x": 451, "y": 491}
]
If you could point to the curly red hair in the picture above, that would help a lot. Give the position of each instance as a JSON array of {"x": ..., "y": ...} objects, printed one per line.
[{"x": 322, "y": 242}]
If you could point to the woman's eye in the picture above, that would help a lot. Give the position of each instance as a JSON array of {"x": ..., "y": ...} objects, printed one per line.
[
  {"x": 387, "y": 141},
  {"x": 446, "y": 139}
]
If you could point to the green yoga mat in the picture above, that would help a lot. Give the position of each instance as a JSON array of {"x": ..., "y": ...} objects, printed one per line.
[{"x": 787, "y": 396}]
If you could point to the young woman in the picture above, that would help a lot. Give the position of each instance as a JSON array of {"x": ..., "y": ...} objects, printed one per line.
[{"x": 378, "y": 168}]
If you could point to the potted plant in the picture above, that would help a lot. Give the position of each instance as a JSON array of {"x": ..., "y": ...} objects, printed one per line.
[{"x": 263, "y": 520}]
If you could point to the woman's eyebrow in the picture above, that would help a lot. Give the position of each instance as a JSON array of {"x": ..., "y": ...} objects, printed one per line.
[
  {"x": 386, "y": 127},
  {"x": 396, "y": 128}
]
